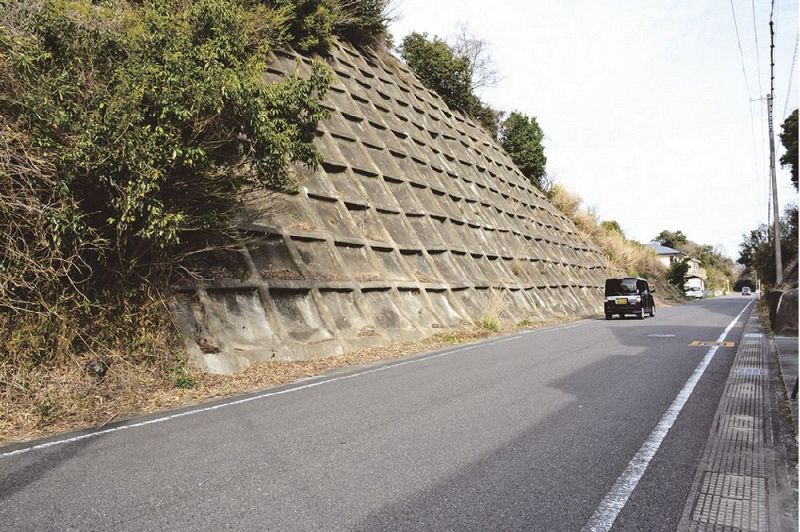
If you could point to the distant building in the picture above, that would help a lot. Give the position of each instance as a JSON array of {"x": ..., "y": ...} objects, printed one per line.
[
  {"x": 696, "y": 276},
  {"x": 667, "y": 256}
]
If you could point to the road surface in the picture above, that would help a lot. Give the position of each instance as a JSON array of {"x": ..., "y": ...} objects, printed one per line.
[{"x": 524, "y": 432}]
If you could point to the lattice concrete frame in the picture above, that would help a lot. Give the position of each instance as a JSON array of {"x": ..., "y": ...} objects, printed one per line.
[{"x": 416, "y": 222}]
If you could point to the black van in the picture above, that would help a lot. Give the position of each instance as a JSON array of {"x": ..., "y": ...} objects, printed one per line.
[{"x": 629, "y": 295}]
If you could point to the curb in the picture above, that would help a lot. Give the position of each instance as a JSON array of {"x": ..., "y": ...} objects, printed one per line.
[{"x": 742, "y": 480}]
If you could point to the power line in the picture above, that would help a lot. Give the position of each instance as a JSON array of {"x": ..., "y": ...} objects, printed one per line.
[
  {"x": 791, "y": 74},
  {"x": 741, "y": 53},
  {"x": 756, "y": 162},
  {"x": 755, "y": 33}
]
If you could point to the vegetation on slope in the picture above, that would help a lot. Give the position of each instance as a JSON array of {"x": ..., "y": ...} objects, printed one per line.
[
  {"x": 130, "y": 132},
  {"x": 624, "y": 255},
  {"x": 450, "y": 74},
  {"x": 522, "y": 138}
]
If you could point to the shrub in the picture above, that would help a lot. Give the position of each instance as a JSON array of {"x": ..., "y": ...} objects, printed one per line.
[
  {"x": 522, "y": 138},
  {"x": 439, "y": 69},
  {"x": 313, "y": 23},
  {"x": 155, "y": 119}
]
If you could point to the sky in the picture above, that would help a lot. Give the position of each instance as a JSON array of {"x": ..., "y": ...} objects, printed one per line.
[{"x": 645, "y": 105}]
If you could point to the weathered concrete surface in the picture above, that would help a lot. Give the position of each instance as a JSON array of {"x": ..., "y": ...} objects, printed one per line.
[
  {"x": 416, "y": 221},
  {"x": 783, "y": 311},
  {"x": 786, "y": 314}
]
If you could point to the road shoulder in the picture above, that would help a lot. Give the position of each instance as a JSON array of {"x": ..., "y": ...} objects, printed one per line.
[{"x": 744, "y": 479}]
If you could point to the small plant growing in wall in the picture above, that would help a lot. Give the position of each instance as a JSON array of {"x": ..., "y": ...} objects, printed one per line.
[{"x": 491, "y": 319}]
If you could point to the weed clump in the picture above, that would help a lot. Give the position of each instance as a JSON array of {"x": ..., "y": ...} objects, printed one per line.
[{"x": 495, "y": 307}]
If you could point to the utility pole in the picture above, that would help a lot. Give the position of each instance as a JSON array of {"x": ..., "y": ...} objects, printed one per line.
[{"x": 776, "y": 220}]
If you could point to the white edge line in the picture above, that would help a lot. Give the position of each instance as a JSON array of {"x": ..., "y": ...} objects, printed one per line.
[
  {"x": 252, "y": 398},
  {"x": 609, "y": 508}
]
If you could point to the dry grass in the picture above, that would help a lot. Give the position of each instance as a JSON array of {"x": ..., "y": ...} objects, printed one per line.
[
  {"x": 68, "y": 397},
  {"x": 565, "y": 200},
  {"x": 494, "y": 310},
  {"x": 623, "y": 255},
  {"x": 81, "y": 365},
  {"x": 629, "y": 256}
]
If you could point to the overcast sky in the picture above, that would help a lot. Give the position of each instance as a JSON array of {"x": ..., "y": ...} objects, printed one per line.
[{"x": 643, "y": 103}]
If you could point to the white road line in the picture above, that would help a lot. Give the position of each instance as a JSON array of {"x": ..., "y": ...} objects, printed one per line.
[
  {"x": 609, "y": 508},
  {"x": 255, "y": 397},
  {"x": 551, "y": 329}
]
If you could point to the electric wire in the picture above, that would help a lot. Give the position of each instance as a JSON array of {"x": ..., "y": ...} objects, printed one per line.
[
  {"x": 741, "y": 53},
  {"x": 791, "y": 75},
  {"x": 758, "y": 59},
  {"x": 750, "y": 98}
]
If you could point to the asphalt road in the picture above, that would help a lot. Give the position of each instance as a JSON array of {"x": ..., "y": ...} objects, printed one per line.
[{"x": 525, "y": 432}]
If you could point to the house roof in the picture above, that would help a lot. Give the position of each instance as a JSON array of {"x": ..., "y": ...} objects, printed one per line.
[{"x": 664, "y": 250}]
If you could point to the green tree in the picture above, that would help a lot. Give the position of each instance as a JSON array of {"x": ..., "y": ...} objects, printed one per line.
[
  {"x": 440, "y": 68},
  {"x": 789, "y": 141},
  {"x": 612, "y": 226},
  {"x": 522, "y": 138},
  {"x": 672, "y": 239},
  {"x": 757, "y": 252},
  {"x": 676, "y": 274}
]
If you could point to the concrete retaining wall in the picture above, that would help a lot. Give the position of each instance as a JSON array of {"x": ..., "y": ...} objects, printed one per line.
[
  {"x": 417, "y": 221},
  {"x": 783, "y": 311}
]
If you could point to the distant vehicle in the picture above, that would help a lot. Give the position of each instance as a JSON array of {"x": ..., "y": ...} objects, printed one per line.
[
  {"x": 629, "y": 295},
  {"x": 694, "y": 291},
  {"x": 746, "y": 291}
]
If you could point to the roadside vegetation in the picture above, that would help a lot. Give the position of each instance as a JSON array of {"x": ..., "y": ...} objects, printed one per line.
[
  {"x": 625, "y": 256},
  {"x": 757, "y": 249},
  {"x": 449, "y": 72},
  {"x": 456, "y": 71},
  {"x": 130, "y": 135}
]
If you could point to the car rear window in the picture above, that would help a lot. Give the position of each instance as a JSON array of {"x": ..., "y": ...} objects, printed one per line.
[{"x": 620, "y": 287}]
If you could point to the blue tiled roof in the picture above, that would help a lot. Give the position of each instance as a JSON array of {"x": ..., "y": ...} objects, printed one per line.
[{"x": 664, "y": 250}]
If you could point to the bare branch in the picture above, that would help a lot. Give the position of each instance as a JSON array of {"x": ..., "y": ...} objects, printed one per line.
[{"x": 482, "y": 71}]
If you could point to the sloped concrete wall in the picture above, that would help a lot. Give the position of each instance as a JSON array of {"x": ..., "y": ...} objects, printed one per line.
[{"x": 417, "y": 221}]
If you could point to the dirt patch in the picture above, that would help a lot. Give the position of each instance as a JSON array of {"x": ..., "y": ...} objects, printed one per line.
[{"x": 283, "y": 275}]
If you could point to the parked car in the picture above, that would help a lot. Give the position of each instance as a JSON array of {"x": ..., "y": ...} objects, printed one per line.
[
  {"x": 746, "y": 291},
  {"x": 694, "y": 291},
  {"x": 629, "y": 295}
]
